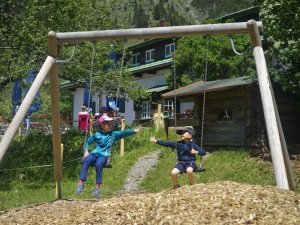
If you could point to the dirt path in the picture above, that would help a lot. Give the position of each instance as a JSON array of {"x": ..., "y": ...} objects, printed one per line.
[{"x": 139, "y": 171}]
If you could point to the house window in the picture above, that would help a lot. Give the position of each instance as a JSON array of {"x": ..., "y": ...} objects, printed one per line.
[
  {"x": 224, "y": 114},
  {"x": 136, "y": 59},
  {"x": 169, "y": 49},
  {"x": 146, "y": 109},
  {"x": 150, "y": 55},
  {"x": 169, "y": 108}
]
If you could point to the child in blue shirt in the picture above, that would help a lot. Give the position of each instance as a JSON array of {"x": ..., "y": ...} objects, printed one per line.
[
  {"x": 186, "y": 155},
  {"x": 104, "y": 139}
]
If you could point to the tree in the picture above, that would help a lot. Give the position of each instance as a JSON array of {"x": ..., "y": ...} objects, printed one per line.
[
  {"x": 190, "y": 57},
  {"x": 24, "y": 28},
  {"x": 282, "y": 31},
  {"x": 215, "y": 8}
]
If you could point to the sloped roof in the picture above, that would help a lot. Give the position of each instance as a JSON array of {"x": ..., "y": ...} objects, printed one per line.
[
  {"x": 157, "y": 88},
  {"x": 152, "y": 65},
  {"x": 209, "y": 86}
]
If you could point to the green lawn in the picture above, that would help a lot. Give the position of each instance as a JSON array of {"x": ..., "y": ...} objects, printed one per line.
[{"x": 37, "y": 184}]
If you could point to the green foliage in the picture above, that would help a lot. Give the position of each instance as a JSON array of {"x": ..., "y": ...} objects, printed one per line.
[
  {"x": 24, "y": 28},
  {"x": 26, "y": 151},
  {"x": 222, "y": 165},
  {"x": 190, "y": 57},
  {"x": 20, "y": 187},
  {"x": 282, "y": 31},
  {"x": 216, "y": 8},
  {"x": 26, "y": 33}
]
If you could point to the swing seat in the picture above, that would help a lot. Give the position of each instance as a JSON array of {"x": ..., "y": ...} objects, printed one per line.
[
  {"x": 197, "y": 170},
  {"x": 107, "y": 165}
]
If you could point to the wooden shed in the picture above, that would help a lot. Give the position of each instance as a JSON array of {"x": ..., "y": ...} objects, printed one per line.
[{"x": 233, "y": 112}]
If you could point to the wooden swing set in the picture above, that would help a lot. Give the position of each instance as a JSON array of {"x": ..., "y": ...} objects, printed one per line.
[{"x": 283, "y": 172}]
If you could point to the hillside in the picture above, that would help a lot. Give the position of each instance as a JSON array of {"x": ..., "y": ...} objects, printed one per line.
[{"x": 144, "y": 13}]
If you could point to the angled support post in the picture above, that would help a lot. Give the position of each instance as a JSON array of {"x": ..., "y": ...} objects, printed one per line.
[
  {"x": 20, "y": 115},
  {"x": 283, "y": 172}
]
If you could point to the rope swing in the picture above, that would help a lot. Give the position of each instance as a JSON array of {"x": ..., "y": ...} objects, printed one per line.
[
  {"x": 204, "y": 102},
  {"x": 201, "y": 167}
]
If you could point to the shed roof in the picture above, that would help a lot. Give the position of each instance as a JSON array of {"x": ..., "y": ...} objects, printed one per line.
[{"x": 209, "y": 86}]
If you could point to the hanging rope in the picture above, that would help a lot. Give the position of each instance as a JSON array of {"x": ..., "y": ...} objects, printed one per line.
[
  {"x": 175, "y": 84},
  {"x": 90, "y": 89},
  {"x": 204, "y": 99},
  {"x": 204, "y": 93},
  {"x": 232, "y": 46},
  {"x": 69, "y": 59},
  {"x": 120, "y": 76}
]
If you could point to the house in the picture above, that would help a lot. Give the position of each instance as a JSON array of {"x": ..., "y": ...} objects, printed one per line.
[
  {"x": 233, "y": 114},
  {"x": 151, "y": 59}
]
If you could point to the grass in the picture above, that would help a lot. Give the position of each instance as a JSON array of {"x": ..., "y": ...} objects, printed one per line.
[
  {"x": 229, "y": 165},
  {"x": 224, "y": 164}
]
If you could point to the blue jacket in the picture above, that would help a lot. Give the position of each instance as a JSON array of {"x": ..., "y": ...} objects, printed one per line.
[
  {"x": 183, "y": 149},
  {"x": 105, "y": 140}
]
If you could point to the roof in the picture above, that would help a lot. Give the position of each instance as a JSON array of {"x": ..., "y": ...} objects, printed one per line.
[
  {"x": 144, "y": 43},
  {"x": 209, "y": 86},
  {"x": 69, "y": 85},
  {"x": 152, "y": 65},
  {"x": 157, "y": 89}
]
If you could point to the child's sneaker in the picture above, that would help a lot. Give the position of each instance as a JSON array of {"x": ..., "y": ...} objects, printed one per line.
[
  {"x": 176, "y": 186},
  {"x": 96, "y": 192},
  {"x": 79, "y": 189}
]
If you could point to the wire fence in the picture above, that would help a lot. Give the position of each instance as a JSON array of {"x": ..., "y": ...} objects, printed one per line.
[{"x": 43, "y": 127}]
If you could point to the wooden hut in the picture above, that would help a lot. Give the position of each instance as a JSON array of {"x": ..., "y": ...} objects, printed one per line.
[{"x": 233, "y": 112}]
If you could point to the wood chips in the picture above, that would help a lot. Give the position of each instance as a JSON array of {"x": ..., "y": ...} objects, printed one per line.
[{"x": 214, "y": 203}]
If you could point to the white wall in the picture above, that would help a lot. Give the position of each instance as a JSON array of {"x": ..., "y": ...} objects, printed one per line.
[
  {"x": 77, "y": 103},
  {"x": 149, "y": 80}
]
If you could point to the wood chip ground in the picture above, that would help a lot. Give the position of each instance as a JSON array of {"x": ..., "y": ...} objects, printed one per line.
[{"x": 214, "y": 203}]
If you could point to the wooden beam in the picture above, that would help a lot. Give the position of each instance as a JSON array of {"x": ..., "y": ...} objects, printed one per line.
[
  {"x": 20, "y": 115},
  {"x": 156, "y": 32},
  {"x": 271, "y": 121},
  {"x": 55, "y": 110}
]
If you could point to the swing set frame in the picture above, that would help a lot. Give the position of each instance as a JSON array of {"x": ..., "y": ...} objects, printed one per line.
[{"x": 282, "y": 168}]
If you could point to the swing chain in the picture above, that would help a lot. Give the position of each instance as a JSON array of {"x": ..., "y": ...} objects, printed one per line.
[
  {"x": 90, "y": 87},
  {"x": 204, "y": 99},
  {"x": 204, "y": 92},
  {"x": 120, "y": 74},
  {"x": 175, "y": 84},
  {"x": 67, "y": 60}
]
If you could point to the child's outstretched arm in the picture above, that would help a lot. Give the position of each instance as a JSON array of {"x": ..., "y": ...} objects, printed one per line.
[
  {"x": 153, "y": 140},
  {"x": 126, "y": 133},
  {"x": 197, "y": 150},
  {"x": 163, "y": 143},
  {"x": 138, "y": 130}
]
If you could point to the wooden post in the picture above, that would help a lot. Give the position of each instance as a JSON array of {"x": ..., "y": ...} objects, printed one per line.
[
  {"x": 55, "y": 111},
  {"x": 269, "y": 108},
  {"x": 158, "y": 117},
  {"x": 58, "y": 184},
  {"x": 288, "y": 167},
  {"x": 167, "y": 124},
  {"x": 122, "y": 140}
]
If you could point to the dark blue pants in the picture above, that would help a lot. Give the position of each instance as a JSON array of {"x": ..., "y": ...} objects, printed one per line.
[{"x": 98, "y": 161}]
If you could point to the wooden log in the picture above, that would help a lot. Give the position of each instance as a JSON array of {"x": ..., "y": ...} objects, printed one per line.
[{"x": 122, "y": 144}]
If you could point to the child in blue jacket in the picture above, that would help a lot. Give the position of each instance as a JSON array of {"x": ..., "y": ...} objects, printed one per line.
[
  {"x": 104, "y": 139},
  {"x": 186, "y": 155}
]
